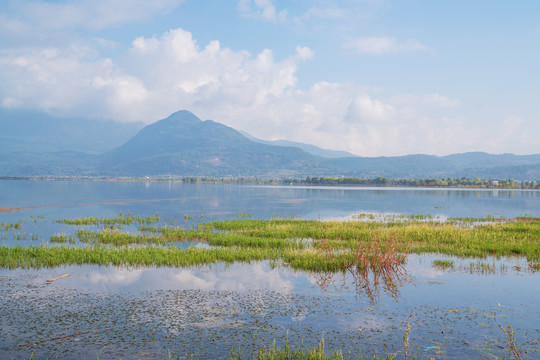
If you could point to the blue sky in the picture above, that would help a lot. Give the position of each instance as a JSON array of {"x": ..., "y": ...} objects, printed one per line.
[{"x": 371, "y": 77}]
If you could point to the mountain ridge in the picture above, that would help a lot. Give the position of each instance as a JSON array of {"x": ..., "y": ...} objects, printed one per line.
[{"x": 184, "y": 145}]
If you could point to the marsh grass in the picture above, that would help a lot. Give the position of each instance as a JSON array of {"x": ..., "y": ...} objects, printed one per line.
[
  {"x": 377, "y": 248},
  {"x": 45, "y": 256},
  {"x": 443, "y": 264},
  {"x": 534, "y": 266},
  {"x": 62, "y": 238},
  {"x": 7, "y": 226},
  {"x": 119, "y": 220},
  {"x": 317, "y": 352},
  {"x": 115, "y": 238}
]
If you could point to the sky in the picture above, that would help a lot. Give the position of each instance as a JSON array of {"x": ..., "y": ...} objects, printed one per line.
[{"x": 372, "y": 77}]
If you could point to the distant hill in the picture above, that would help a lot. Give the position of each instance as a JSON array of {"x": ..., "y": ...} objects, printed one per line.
[
  {"x": 38, "y": 130},
  {"x": 183, "y": 145},
  {"x": 35, "y": 143},
  {"x": 310, "y": 149}
]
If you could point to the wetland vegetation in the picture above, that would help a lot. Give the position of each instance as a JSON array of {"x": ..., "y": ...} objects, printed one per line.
[{"x": 363, "y": 243}]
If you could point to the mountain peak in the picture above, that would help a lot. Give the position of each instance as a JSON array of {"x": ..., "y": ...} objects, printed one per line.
[{"x": 179, "y": 119}]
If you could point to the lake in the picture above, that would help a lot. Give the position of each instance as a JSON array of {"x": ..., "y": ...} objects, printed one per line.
[{"x": 145, "y": 313}]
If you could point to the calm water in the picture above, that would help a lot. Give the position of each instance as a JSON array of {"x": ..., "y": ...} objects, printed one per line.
[{"x": 144, "y": 313}]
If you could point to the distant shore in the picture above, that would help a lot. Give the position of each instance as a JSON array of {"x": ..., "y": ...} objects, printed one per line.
[{"x": 444, "y": 183}]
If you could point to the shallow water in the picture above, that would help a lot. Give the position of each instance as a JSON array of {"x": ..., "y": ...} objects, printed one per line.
[
  {"x": 210, "y": 309},
  {"x": 143, "y": 313}
]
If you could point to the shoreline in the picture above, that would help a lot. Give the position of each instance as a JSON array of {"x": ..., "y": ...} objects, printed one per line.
[{"x": 332, "y": 182}]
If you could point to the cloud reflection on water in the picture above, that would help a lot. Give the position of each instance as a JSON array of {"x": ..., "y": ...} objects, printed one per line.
[{"x": 236, "y": 277}]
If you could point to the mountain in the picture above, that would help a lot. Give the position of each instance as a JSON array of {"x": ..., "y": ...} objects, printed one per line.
[
  {"x": 310, "y": 149},
  {"x": 37, "y": 130},
  {"x": 36, "y": 143},
  {"x": 480, "y": 159},
  {"x": 182, "y": 144}
]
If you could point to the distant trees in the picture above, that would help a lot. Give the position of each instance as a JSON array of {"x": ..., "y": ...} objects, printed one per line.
[{"x": 444, "y": 182}]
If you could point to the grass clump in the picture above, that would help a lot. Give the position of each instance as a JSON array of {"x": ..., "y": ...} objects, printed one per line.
[
  {"x": 312, "y": 353},
  {"x": 62, "y": 238},
  {"x": 443, "y": 264},
  {"x": 119, "y": 220}
]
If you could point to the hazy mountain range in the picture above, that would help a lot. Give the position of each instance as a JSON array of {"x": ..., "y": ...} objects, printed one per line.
[{"x": 183, "y": 145}]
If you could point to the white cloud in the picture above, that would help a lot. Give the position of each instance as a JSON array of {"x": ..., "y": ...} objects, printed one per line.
[
  {"x": 383, "y": 45},
  {"x": 261, "y": 9},
  {"x": 256, "y": 93},
  {"x": 365, "y": 109}
]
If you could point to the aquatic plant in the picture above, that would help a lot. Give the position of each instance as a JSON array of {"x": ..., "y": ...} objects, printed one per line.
[
  {"x": 7, "y": 226},
  {"x": 376, "y": 248},
  {"x": 62, "y": 238},
  {"x": 406, "y": 335},
  {"x": 118, "y": 220},
  {"x": 312, "y": 353},
  {"x": 443, "y": 264},
  {"x": 510, "y": 341}
]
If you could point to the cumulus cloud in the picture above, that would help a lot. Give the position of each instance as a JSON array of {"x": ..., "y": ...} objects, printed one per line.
[
  {"x": 256, "y": 93},
  {"x": 378, "y": 45},
  {"x": 261, "y": 9}
]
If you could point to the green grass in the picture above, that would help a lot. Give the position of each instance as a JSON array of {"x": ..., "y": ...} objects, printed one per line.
[
  {"x": 118, "y": 220},
  {"x": 7, "y": 226},
  {"x": 46, "y": 256},
  {"x": 62, "y": 238},
  {"x": 443, "y": 264},
  {"x": 313, "y": 353},
  {"x": 301, "y": 244}
]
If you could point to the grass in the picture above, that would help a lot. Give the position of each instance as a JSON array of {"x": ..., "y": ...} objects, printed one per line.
[
  {"x": 313, "y": 353},
  {"x": 7, "y": 226},
  {"x": 120, "y": 219},
  {"x": 46, "y": 256},
  {"x": 443, "y": 264},
  {"x": 366, "y": 246},
  {"x": 62, "y": 238}
]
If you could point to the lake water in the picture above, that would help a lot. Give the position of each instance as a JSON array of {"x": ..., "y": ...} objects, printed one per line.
[{"x": 143, "y": 313}]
